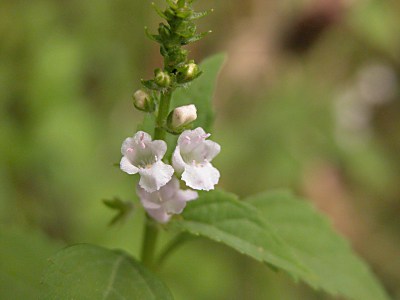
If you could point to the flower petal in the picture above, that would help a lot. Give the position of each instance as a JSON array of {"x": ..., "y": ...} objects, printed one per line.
[
  {"x": 141, "y": 137},
  {"x": 191, "y": 139},
  {"x": 159, "y": 215},
  {"x": 127, "y": 143},
  {"x": 147, "y": 204},
  {"x": 191, "y": 134},
  {"x": 187, "y": 195},
  {"x": 148, "y": 200},
  {"x": 169, "y": 190},
  {"x": 127, "y": 166},
  {"x": 156, "y": 176},
  {"x": 201, "y": 177},
  {"x": 158, "y": 148},
  {"x": 165, "y": 202},
  {"x": 211, "y": 150},
  {"x": 177, "y": 161},
  {"x": 174, "y": 206}
]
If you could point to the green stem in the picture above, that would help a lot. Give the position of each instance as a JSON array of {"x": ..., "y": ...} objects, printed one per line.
[
  {"x": 172, "y": 246},
  {"x": 150, "y": 230},
  {"x": 163, "y": 110},
  {"x": 149, "y": 243}
]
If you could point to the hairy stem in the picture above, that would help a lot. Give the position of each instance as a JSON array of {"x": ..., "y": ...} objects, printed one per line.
[{"x": 163, "y": 110}]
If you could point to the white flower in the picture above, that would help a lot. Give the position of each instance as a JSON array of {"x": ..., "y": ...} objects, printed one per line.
[
  {"x": 182, "y": 116},
  {"x": 142, "y": 155},
  {"x": 142, "y": 101},
  {"x": 192, "y": 157},
  {"x": 165, "y": 202}
]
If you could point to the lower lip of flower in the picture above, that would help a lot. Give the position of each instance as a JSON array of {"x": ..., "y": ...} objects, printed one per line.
[{"x": 198, "y": 164}]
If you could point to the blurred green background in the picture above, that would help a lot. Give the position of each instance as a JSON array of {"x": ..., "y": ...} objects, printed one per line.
[{"x": 309, "y": 100}]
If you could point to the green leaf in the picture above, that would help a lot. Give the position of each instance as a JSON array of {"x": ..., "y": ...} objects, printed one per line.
[
  {"x": 22, "y": 260},
  {"x": 124, "y": 209},
  {"x": 221, "y": 217},
  {"x": 91, "y": 272},
  {"x": 335, "y": 268},
  {"x": 200, "y": 92}
]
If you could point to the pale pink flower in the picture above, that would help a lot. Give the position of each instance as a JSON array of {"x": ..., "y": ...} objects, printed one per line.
[
  {"x": 142, "y": 155},
  {"x": 192, "y": 157},
  {"x": 167, "y": 201}
]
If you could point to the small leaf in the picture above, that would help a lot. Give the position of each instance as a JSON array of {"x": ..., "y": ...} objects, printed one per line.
[
  {"x": 151, "y": 85},
  {"x": 153, "y": 37},
  {"x": 198, "y": 15},
  {"x": 124, "y": 209},
  {"x": 172, "y": 4},
  {"x": 335, "y": 268},
  {"x": 195, "y": 38},
  {"x": 89, "y": 272},
  {"x": 159, "y": 11},
  {"x": 221, "y": 217},
  {"x": 201, "y": 91}
]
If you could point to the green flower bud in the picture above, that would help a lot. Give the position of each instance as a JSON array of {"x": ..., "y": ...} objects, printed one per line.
[
  {"x": 181, "y": 117},
  {"x": 143, "y": 101},
  {"x": 164, "y": 31},
  {"x": 162, "y": 78},
  {"x": 169, "y": 13},
  {"x": 189, "y": 72},
  {"x": 184, "y": 13}
]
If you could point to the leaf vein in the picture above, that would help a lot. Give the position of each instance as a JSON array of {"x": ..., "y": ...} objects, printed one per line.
[{"x": 114, "y": 270}]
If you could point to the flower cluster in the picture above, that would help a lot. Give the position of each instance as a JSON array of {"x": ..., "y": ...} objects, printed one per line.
[{"x": 158, "y": 190}]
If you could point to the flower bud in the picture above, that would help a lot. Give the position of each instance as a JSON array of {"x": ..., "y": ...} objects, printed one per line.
[
  {"x": 184, "y": 13},
  {"x": 142, "y": 101},
  {"x": 189, "y": 72},
  {"x": 162, "y": 78},
  {"x": 182, "y": 116},
  {"x": 169, "y": 13},
  {"x": 164, "y": 31}
]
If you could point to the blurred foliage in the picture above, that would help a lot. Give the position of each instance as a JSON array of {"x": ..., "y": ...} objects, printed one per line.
[
  {"x": 302, "y": 119},
  {"x": 23, "y": 256}
]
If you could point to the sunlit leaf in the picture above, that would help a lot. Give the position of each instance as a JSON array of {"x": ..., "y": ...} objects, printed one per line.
[
  {"x": 221, "y": 217},
  {"x": 334, "y": 266}
]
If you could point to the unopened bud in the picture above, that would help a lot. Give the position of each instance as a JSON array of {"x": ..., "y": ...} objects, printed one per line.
[
  {"x": 189, "y": 72},
  {"x": 164, "y": 31},
  {"x": 142, "y": 101},
  {"x": 184, "y": 13},
  {"x": 182, "y": 116},
  {"x": 162, "y": 78},
  {"x": 169, "y": 13}
]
